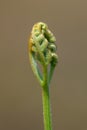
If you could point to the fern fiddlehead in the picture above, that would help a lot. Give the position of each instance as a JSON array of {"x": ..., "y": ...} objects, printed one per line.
[{"x": 42, "y": 50}]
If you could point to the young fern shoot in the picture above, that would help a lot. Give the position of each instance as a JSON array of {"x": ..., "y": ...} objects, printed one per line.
[{"x": 42, "y": 50}]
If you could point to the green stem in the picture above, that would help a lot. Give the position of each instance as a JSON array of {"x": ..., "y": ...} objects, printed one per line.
[
  {"x": 51, "y": 73},
  {"x": 46, "y": 108}
]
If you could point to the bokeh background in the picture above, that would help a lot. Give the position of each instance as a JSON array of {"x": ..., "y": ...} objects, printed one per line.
[{"x": 20, "y": 93}]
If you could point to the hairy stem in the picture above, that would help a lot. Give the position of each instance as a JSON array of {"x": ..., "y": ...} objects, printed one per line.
[
  {"x": 46, "y": 101},
  {"x": 46, "y": 108}
]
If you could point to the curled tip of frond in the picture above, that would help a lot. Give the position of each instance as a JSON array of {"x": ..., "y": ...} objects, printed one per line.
[{"x": 42, "y": 44}]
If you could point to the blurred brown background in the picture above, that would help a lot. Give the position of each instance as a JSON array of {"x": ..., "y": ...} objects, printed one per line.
[{"x": 20, "y": 93}]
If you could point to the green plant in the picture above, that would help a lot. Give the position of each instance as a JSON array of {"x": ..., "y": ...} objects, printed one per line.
[{"x": 43, "y": 59}]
